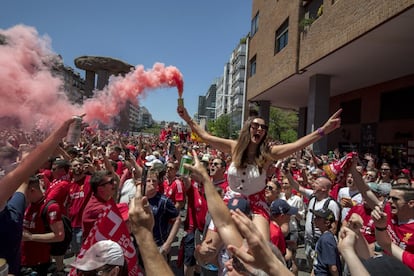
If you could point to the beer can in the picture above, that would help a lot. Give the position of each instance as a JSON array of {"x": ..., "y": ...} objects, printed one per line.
[
  {"x": 74, "y": 131},
  {"x": 4, "y": 267},
  {"x": 186, "y": 159},
  {"x": 180, "y": 101}
]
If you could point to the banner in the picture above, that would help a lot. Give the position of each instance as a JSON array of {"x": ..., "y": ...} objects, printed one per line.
[{"x": 110, "y": 226}]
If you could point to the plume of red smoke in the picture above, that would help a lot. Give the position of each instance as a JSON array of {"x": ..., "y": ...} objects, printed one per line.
[{"x": 31, "y": 93}]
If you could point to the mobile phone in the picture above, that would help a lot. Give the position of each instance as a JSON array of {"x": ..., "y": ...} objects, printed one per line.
[
  {"x": 144, "y": 180},
  {"x": 127, "y": 154}
]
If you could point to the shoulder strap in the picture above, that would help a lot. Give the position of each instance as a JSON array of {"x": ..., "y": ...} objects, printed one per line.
[
  {"x": 355, "y": 194},
  {"x": 326, "y": 203},
  {"x": 44, "y": 212}
]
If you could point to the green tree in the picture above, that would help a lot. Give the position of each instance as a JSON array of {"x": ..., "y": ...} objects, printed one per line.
[
  {"x": 221, "y": 127},
  {"x": 283, "y": 125}
]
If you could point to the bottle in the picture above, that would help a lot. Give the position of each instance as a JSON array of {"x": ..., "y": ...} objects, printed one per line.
[
  {"x": 186, "y": 159},
  {"x": 74, "y": 131}
]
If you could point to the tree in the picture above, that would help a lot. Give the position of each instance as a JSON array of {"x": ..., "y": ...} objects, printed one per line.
[
  {"x": 221, "y": 127},
  {"x": 283, "y": 125}
]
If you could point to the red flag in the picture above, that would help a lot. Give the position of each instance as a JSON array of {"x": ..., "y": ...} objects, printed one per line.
[
  {"x": 337, "y": 170},
  {"x": 111, "y": 226}
]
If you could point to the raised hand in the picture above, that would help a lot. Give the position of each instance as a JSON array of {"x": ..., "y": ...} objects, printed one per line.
[{"x": 333, "y": 122}]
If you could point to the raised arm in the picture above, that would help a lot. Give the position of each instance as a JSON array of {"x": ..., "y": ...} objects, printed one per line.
[
  {"x": 31, "y": 163},
  {"x": 225, "y": 145},
  {"x": 218, "y": 210},
  {"x": 142, "y": 222},
  {"x": 363, "y": 188},
  {"x": 284, "y": 150}
]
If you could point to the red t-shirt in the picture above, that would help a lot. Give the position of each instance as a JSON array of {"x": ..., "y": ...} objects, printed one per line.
[
  {"x": 196, "y": 208},
  {"x": 402, "y": 235},
  {"x": 277, "y": 238},
  {"x": 174, "y": 190},
  {"x": 368, "y": 227},
  {"x": 408, "y": 259},
  {"x": 34, "y": 253},
  {"x": 59, "y": 191},
  {"x": 90, "y": 215},
  {"x": 78, "y": 193}
]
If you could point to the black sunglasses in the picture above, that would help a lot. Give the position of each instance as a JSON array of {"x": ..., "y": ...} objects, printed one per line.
[
  {"x": 107, "y": 182},
  {"x": 215, "y": 164},
  {"x": 270, "y": 188},
  {"x": 255, "y": 126}
]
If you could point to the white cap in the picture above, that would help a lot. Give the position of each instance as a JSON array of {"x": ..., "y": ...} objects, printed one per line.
[
  {"x": 102, "y": 253},
  {"x": 151, "y": 160}
]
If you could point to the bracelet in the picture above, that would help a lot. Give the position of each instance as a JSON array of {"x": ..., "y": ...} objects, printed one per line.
[
  {"x": 321, "y": 132},
  {"x": 380, "y": 228}
]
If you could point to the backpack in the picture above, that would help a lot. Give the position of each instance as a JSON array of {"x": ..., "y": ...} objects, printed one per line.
[
  {"x": 67, "y": 225},
  {"x": 326, "y": 206}
]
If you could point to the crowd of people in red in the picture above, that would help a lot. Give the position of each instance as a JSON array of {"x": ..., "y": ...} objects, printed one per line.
[{"x": 248, "y": 204}]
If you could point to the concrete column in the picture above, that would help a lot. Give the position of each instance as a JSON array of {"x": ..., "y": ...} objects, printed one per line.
[
  {"x": 302, "y": 122},
  {"x": 89, "y": 83},
  {"x": 318, "y": 108},
  {"x": 264, "y": 110},
  {"x": 103, "y": 78}
]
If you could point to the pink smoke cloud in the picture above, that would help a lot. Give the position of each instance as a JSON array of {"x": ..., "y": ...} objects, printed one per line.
[{"x": 33, "y": 95}]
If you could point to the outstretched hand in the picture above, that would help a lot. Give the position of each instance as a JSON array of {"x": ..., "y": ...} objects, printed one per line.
[
  {"x": 140, "y": 213},
  {"x": 62, "y": 131},
  {"x": 183, "y": 113},
  {"x": 259, "y": 254},
  {"x": 333, "y": 122},
  {"x": 197, "y": 169}
]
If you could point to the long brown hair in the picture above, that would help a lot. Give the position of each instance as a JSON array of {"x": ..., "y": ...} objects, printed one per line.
[{"x": 240, "y": 151}]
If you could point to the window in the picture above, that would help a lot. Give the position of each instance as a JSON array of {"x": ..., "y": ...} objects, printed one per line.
[
  {"x": 282, "y": 36},
  {"x": 255, "y": 25},
  {"x": 351, "y": 112},
  {"x": 252, "y": 66},
  {"x": 397, "y": 105}
]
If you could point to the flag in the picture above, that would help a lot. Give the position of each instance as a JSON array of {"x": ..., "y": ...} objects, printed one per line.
[
  {"x": 337, "y": 170},
  {"x": 111, "y": 226}
]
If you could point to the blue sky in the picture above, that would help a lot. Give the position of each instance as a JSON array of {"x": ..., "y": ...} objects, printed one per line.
[{"x": 195, "y": 36}]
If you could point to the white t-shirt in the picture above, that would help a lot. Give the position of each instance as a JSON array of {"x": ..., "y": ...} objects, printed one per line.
[{"x": 354, "y": 195}]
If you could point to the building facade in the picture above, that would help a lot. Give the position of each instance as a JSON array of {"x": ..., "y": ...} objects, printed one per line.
[{"x": 317, "y": 56}]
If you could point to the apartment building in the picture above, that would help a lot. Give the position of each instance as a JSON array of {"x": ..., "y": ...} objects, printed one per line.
[{"x": 317, "y": 56}]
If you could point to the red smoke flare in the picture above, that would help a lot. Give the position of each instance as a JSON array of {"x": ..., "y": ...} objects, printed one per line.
[{"x": 35, "y": 96}]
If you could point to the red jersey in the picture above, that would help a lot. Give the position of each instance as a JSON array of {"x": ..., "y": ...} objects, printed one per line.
[
  {"x": 59, "y": 192},
  {"x": 368, "y": 227},
  {"x": 408, "y": 259},
  {"x": 93, "y": 209},
  {"x": 79, "y": 194},
  {"x": 402, "y": 234},
  {"x": 277, "y": 238},
  {"x": 34, "y": 253},
  {"x": 224, "y": 184},
  {"x": 174, "y": 190},
  {"x": 196, "y": 208}
]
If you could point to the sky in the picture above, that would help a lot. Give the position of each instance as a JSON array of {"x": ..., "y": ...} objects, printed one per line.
[{"x": 197, "y": 37}]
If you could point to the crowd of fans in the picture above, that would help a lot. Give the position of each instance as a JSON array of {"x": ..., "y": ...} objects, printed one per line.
[{"x": 123, "y": 196}]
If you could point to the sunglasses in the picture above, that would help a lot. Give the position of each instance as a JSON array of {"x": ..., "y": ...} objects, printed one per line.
[
  {"x": 255, "y": 126},
  {"x": 111, "y": 181},
  {"x": 215, "y": 164},
  {"x": 270, "y": 188}
]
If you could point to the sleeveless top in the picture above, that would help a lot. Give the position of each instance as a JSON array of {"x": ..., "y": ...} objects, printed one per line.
[{"x": 247, "y": 181}]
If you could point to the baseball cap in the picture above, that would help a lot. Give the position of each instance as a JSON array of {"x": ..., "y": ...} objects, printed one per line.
[
  {"x": 239, "y": 203},
  {"x": 151, "y": 160},
  {"x": 281, "y": 207},
  {"x": 324, "y": 213},
  {"x": 206, "y": 158},
  {"x": 105, "y": 252},
  {"x": 380, "y": 188}
]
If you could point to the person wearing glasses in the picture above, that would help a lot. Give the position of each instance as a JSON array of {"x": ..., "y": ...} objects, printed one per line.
[
  {"x": 272, "y": 191},
  {"x": 385, "y": 174},
  {"x": 103, "y": 186},
  {"x": 251, "y": 156},
  {"x": 103, "y": 258},
  {"x": 401, "y": 226}
]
